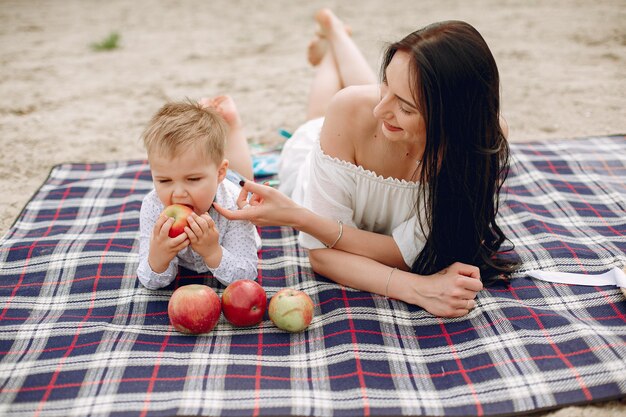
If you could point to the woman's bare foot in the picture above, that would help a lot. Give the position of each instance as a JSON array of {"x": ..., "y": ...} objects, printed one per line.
[
  {"x": 316, "y": 50},
  {"x": 319, "y": 44},
  {"x": 236, "y": 151},
  {"x": 226, "y": 107},
  {"x": 329, "y": 23}
]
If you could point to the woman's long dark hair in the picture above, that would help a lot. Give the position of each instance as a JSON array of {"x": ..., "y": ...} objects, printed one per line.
[{"x": 456, "y": 85}]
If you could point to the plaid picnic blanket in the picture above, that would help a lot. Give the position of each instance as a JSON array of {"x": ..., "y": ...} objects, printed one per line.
[{"x": 80, "y": 336}]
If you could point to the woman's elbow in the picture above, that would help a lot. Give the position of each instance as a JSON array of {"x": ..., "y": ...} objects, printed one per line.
[{"x": 316, "y": 259}]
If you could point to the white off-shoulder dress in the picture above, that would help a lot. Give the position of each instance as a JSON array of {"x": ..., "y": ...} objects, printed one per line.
[{"x": 343, "y": 191}]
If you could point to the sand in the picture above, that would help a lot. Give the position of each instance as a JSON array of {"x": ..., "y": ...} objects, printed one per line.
[{"x": 562, "y": 65}]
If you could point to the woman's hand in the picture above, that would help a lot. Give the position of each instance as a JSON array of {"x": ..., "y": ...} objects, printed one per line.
[
  {"x": 450, "y": 292},
  {"x": 265, "y": 206}
]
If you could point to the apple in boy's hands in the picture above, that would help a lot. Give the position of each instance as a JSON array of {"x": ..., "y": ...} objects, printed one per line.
[
  {"x": 244, "y": 302},
  {"x": 179, "y": 213},
  {"x": 291, "y": 310},
  {"x": 194, "y": 309}
]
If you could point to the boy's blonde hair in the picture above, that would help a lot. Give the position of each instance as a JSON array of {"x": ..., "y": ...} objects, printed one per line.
[{"x": 179, "y": 125}]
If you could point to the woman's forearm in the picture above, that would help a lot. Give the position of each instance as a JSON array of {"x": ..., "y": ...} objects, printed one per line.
[
  {"x": 266, "y": 206},
  {"x": 381, "y": 248},
  {"x": 448, "y": 293},
  {"x": 364, "y": 274},
  {"x": 324, "y": 229}
]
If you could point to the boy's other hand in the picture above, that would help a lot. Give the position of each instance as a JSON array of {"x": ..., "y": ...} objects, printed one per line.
[{"x": 204, "y": 238}]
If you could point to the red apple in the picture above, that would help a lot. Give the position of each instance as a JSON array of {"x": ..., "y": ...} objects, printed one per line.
[
  {"x": 244, "y": 303},
  {"x": 194, "y": 309},
  {"x": 291, "y": 310},
  {"x": 179, "y": 213}
]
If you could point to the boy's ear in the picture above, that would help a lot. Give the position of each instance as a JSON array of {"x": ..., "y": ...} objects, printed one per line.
[{"x": 221, "y": 170}]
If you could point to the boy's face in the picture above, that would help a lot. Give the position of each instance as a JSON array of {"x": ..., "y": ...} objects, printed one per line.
[{"x": 190, "y": 179}]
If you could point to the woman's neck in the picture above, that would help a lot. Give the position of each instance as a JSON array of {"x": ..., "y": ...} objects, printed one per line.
[{"x": 398, "y": 160}]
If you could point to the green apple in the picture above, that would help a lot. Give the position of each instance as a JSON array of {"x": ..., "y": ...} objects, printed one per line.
[{"x": 291, "y": 310}]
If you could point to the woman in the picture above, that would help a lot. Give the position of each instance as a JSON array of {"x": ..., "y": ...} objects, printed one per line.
[{"x": 399, "y": 196}]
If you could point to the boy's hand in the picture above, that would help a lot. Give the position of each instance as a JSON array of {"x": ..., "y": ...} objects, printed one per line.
[
  {"x": 204, "y": 238},
  {"x": 162, "y": 247}
]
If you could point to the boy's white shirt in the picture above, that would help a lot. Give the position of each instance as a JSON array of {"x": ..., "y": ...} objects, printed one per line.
[{"x": 240, "y": 242}]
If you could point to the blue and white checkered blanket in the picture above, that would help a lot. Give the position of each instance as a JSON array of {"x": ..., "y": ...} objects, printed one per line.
[{"x": 80, "y": 336}]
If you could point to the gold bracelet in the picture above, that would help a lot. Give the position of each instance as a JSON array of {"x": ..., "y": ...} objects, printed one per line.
[
  {"x": 340, "y": 223},
  {"x": 389, "y": 279}
]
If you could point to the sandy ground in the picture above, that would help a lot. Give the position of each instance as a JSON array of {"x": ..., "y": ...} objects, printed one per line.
[{"x": 562, "y": 66}]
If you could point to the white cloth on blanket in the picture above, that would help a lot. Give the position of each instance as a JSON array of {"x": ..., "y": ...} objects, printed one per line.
[
  {"x": 343, "y": 191},
  {"x": 615, "y": 277}
]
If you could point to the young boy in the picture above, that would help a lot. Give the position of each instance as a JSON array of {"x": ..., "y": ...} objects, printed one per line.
[{"x": 186, "y": 145}]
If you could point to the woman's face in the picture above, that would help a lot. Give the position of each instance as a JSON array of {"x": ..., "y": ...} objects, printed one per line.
[{"x": 400, "y": 116}]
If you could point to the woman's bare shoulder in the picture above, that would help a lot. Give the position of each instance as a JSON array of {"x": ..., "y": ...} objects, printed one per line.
[
  {"x": 349, "y": 119},
  {"x": 355, "y": 101}
]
